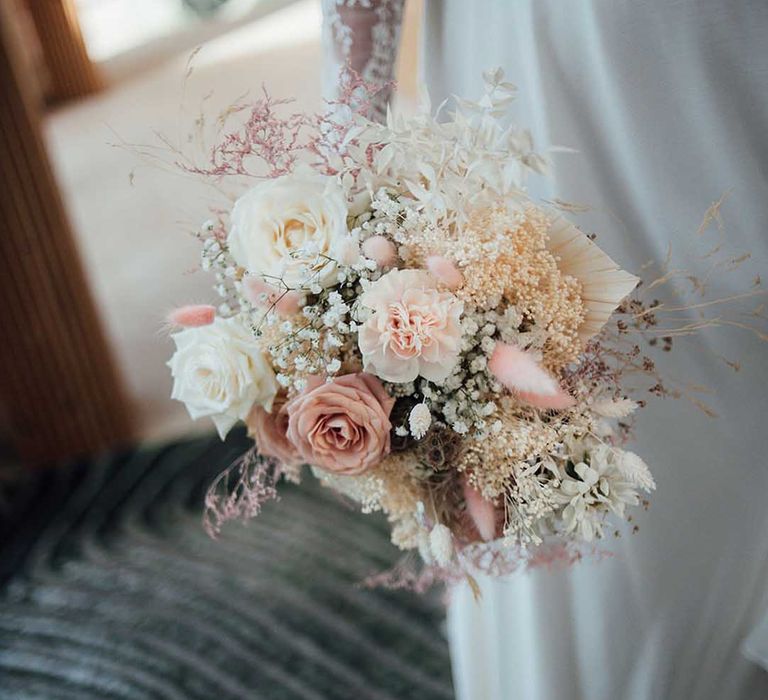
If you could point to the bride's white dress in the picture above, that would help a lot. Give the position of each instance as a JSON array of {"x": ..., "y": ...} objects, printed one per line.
[{"x": 666, "y": 102}]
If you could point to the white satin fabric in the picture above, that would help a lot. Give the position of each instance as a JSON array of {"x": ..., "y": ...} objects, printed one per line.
[{"x": 667, "y": 104}]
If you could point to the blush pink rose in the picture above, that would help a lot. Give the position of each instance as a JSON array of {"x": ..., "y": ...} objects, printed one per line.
[
  {"x": 268, "y": 429},
  {"x": 343, "y": 425}
]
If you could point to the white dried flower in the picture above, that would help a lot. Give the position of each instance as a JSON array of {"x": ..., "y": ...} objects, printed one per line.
[
  {"x": 478, "y": 364},
  {"x": 609, "y": 408},
  {"x": 331, "y": 318},
  {"x": 419, "y": 420},
  {"x": 636, "y": 470},
  {"x": 589, "y": 491},
  {"x": 424, "y": 548},
  {"x": 487, "y": 344},
  {"x": 441, "y": 544},
  {"x": 333, "y": 340}
]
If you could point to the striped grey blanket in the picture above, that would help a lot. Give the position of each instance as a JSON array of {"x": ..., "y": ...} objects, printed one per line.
[{"x": 111, "y": 589}]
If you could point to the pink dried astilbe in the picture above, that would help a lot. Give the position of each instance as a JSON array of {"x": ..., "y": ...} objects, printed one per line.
[
  {"x": 265, "y": 136},
  {"x": 358, "y": 94},
  {"x": 239, "y": 492},
  {"x": 410, "y": 574},
  {"x": 332, "y": 129},
  {"x": 276, "y": 141}
]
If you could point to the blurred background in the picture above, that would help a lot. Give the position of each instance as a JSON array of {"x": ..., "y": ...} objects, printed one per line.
[{"x": 92, "y": 76}]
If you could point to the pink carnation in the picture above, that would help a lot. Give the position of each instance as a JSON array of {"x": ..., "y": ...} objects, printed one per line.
[
  {"x": 343, "y": 425},
  {"x": 268, "y": 429},
  {"x": 413, "y": 330}
]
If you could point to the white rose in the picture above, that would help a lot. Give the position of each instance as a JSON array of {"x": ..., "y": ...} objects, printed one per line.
[
  {"x": 288, "y": 227},
  {"x": 219, "y": 371}
]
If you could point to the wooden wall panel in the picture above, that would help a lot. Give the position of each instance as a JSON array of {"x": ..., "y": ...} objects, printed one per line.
[
  {"x": 58, "y": 384},
  {"x": 71, "y": 73}
]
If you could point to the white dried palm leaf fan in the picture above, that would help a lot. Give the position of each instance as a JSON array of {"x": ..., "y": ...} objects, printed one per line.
[{"x": 603, "y": 282}]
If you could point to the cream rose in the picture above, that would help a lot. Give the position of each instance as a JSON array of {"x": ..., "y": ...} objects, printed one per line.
[
  {"x": 343, "y": 425},
  {"x": 289, "y": 227},
  {"x": 413, "y": 329},
  {"x": 219, "y": 371}
]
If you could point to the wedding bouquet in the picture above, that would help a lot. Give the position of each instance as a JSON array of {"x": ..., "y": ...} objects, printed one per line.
[{"x": 399, "y": 315}]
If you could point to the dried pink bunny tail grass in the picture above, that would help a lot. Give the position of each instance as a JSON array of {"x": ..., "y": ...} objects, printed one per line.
[
  {"x": 558, "y": 402},
  {"x": 481, "y": 511},
  {"x": 192, "y": 316},
  {"x": 264, "y": 295},
  {"x": 445, "y": 271},
  {"x": 519, "y": 372},
  {"x": 381, "y": 250}
]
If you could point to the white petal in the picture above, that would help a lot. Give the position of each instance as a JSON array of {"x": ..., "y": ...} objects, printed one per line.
[{"x": 223, "y": 424}]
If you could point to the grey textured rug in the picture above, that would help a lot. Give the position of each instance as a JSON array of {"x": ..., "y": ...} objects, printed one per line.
[{"x": 111, "y": 589}]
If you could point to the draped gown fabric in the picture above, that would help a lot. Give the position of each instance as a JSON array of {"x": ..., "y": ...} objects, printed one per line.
[{"x": 666, "y": 104}]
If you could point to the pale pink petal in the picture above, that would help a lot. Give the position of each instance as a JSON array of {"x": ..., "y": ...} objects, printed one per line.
[
  {"x": 381, "y": 250},
  {"x": 265, "y": 295},
  {"x": 445, "y": 271},
  {"x": 258, "y": 292},
  {"x": 482, "y": 512},
  {"x": 289, "y": 303},
  {"x": 192, "y": 316}
]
